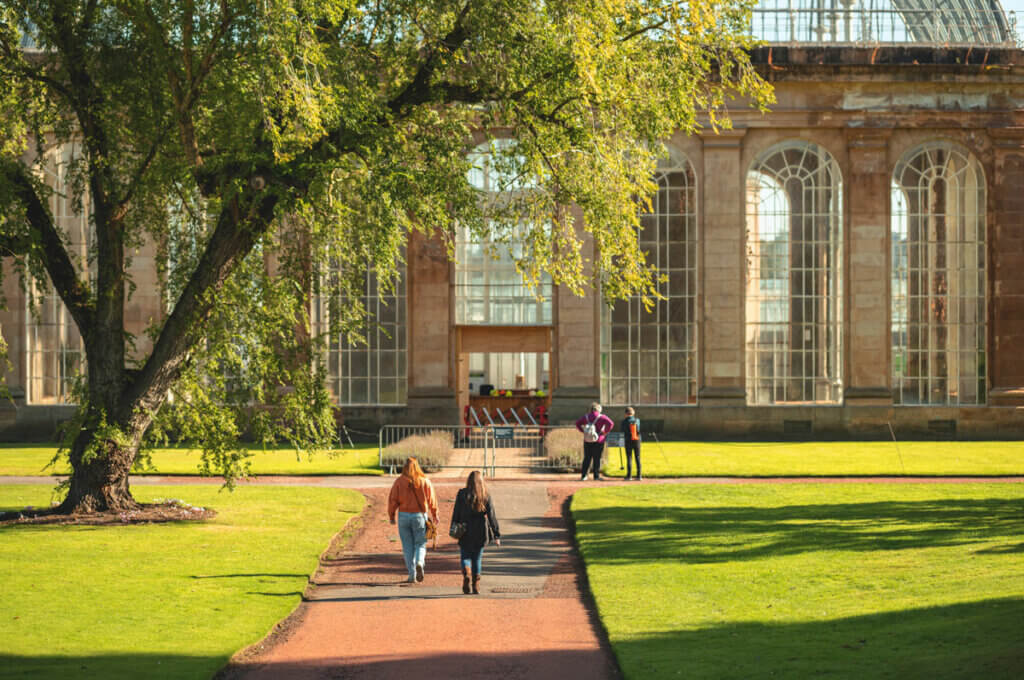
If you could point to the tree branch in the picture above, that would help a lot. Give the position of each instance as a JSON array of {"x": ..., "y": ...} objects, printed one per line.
[
  {"x": 47, "y": 245},
  {"x": 233, "y": 238}
]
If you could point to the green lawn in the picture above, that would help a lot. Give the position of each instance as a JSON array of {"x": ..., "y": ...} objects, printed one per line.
[
  {"x": 158, "y": 601},
  {"x": 751, "y": 459},
  {"x": 799, "y": 580},
  {"x": 31, "y": 459}
]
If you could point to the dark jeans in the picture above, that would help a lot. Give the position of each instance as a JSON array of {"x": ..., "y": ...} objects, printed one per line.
[
  {"x": 592, "y": 455},
  {"x": 472, "y": 559},
  {"x": 633, "y": 449}
]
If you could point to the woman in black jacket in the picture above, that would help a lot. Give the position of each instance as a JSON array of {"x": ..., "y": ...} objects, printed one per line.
[{"x": 474, "y": 509}]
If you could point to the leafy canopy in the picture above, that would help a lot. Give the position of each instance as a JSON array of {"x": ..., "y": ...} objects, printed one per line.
[{"x": 316, "y": 134}]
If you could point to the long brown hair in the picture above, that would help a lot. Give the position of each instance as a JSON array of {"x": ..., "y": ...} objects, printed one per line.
[
  {"x": 476, "y": 491},
  {"x": 413, "y": 472}
]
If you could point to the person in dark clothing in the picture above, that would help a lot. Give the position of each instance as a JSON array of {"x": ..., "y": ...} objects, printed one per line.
[
  {"x": 631, "y": 438},
  {"x": 474, "y": 509},
  {"x": 595, "y": 427}
]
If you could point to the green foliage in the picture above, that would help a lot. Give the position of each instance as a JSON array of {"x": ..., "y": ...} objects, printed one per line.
[
  {"x": 159, "y": 600},
  {"x": 847, "y": 580},
  {"x": 271, "y": 151}
]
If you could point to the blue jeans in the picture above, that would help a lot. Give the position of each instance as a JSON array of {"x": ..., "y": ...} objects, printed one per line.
[
  {"x": 412, "y": 529},
  {"x": 472, "y": 559}
]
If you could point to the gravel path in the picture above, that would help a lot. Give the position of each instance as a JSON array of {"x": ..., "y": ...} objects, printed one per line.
[{"x": 358, "y": 620}]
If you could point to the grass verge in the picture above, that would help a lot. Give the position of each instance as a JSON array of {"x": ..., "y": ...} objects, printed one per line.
[
  {"x": 843, "y": 581},
  {"x": 32, "y": 459},
  {"x": 772, "y": 459},
  {"x": 161, "y": 600}
]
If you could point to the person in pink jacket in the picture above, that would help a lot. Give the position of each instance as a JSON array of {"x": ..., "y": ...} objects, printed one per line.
[{"x": 595, "y": 426}]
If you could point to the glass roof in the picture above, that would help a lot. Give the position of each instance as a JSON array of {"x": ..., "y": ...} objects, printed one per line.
[{"x": 925, "y": 22}]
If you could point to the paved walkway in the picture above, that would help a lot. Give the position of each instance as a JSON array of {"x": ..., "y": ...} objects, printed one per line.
[{"x": 360, "y": 620}]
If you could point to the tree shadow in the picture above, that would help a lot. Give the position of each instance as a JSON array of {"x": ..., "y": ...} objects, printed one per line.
[
  {"x": 708, "y": 535},
  {"x": 983, "y": 639},
  {"x": 127, "y": 666}
]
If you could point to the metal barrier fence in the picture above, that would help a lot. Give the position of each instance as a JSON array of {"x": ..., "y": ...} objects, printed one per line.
[{"x": 485, "y": 447}]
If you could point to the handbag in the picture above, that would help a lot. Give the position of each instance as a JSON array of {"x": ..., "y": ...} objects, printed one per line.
[
  {"x": 458, "y": 529},
  {"x": 431, "y": 526}
]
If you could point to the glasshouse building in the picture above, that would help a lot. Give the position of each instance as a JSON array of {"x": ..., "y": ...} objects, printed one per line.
[{"x": 850, "y": 261}]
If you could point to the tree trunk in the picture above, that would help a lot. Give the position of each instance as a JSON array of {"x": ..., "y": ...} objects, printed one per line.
[{"x": 99, "y": 484}]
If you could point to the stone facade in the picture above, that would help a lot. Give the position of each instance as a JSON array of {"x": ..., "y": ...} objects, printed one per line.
[{"x": 867, "y": 107}]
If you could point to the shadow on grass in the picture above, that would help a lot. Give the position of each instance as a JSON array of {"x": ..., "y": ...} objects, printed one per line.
[
  {"x": 982, "y": 639},
  {"x": 128, "y": 666},
  {"x": 632, "y": 534}
]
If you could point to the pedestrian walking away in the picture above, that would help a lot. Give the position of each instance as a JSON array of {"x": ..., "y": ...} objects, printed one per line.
[
  {"x": 595, "y": 426},
  {"x": 412, "y": 498},
  {"x": 475, "y": 524},
  {"x": 631, "y": 439}
]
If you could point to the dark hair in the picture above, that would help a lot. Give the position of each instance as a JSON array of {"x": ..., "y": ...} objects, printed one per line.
[{"x": 476, "y": 492}]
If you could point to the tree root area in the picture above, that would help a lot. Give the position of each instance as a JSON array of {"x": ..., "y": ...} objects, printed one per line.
[{"x": 145, "y": 513}]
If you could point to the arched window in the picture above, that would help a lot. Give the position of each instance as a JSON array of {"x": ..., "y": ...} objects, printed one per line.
[
  {"x": 488, "y": 289},
  {"x": 938, "y": 277},
  {"x": 650, "y": 357},
  {"x": 794, "y": 285}
]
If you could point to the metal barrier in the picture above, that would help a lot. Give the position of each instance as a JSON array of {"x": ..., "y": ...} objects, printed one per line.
[
  {"x": 535, "y": 447},
  {"x": 485, "y": 447}
]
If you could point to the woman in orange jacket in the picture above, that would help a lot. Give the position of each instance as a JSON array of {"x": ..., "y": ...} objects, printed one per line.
[{"x": 412, "y": 498}]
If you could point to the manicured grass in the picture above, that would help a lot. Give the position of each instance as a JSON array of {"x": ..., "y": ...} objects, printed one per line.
[
  {"x": 752, "y": 459},
  {"x": 30, "y": 459},
  {"x": 798, "y": 580},
  {"x": 167, "y": 600}
]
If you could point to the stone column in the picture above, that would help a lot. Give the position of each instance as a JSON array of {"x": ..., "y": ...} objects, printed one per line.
[
  {"x": 868, "y": 361},
  {"x": 576, "y": 352},
  {"x": 1006, "y": 273},
  {"x": 431, "y": 396},
  {"x": 723, "y": 272}
]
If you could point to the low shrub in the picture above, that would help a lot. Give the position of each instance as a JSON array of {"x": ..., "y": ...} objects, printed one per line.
[
  {"x": 432, "y": 450},
  {"x": 563, "y": 448}
]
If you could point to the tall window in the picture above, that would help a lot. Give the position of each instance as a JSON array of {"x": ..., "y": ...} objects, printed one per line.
[
  {"x": 938, "y": 277},
  {"x": 55, "y": 354},
  {"x": 488, "y": 289},
  {"x": 794, "y": 286},
  {"x": 650, "y": 357},
  {"x": 373, "y": 372}
]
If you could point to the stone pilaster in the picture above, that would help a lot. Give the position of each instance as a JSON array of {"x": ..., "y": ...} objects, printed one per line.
[
  {"x": 577, "y": 377},
  {"x": 723, "y": 272},
  {"x": 1006, "y": 273},
  {"x": 868, "y": 364},
  {"x": 431, "y": 393}
]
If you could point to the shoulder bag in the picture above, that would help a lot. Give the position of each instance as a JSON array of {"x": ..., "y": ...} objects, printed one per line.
[
  {"x": 430, "y": 525},
  {"x": 458, "y": 529}
]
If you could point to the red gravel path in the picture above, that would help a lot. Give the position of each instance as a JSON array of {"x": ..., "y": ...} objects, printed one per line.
[{"x": 551, "y": 635}]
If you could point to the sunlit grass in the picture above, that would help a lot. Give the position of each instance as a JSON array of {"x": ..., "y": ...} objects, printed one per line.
[
  {"x": 31, "y": 460},
  {"x": 159, "y": 600},
  {"x": 755, "y": 459},
  {"x": 844, "y": 581}
]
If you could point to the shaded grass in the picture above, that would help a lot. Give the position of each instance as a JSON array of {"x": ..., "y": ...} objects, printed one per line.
[
  {"x": 752, "y": 459},
  {"x": 850, "y": 581},
  {"x": 162, "y": 600},
  {"x": 31, "y": 460}
]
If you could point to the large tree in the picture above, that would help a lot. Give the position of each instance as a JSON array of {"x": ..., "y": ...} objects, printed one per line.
[{"x": 257, "y": 144}]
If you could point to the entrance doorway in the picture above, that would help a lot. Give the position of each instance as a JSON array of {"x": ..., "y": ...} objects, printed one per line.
[{"x": 504, "y": 374}]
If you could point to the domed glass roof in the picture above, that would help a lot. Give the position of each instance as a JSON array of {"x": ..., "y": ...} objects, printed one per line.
[{"x": 928, "y": 22}]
